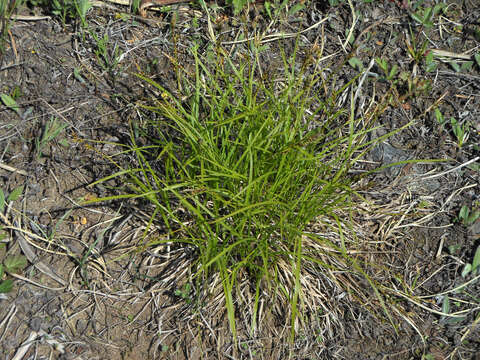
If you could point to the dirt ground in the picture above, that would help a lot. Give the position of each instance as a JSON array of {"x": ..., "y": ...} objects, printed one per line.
[{"x": 126, "y": 307}]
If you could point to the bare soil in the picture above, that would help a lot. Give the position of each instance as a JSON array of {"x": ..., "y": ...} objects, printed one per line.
[{"x": 125, "y": 307}]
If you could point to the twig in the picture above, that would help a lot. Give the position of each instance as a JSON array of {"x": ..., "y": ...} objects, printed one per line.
[
  {"x": 448, "y": 54},
  {"x": 276, "y": 36},
  {"x": 450, "y": 170},
  {"x": 20, "y": 277},
  {"x": 25, "y": 346},
  {"x": 29, "y": 18},
  {"x": 354, "y": 21},
  {"x": 12, "y": 169},
  {"x": 7, "y": 320}
]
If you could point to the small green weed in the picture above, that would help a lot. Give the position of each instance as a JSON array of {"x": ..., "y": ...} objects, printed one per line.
[
  {"x": 416, "y": 49},
  {"x": 14, "y": 263},
  {"x": 52, "y": 129},
  {"x": 82, "y": 7},
  {"x": 10, "y": 102},
  {"x": 108, "y": 59},
  {"x": 356, "y": 63},
  {"x": 477, "y": 59},
  {"x": 135, "y": 5},
  {"x": 467, "y": 216},
  {"x": 425, "y": 15},
  {"x": 450, "y": 317},
  {"x": 4, "y": 201},
  {"x": 460, "y": 130},
  {"x": 430, "y": 64},
  {"x": 238, "y": 5},
  {"x": 273, "y": 9},
  {"x": 63, "y": 9},
  {"x": 473, "y": 266},
  {"x": 439, "y": 117},
  {"x": 403, "y": 85},
  {"x": 389, "y": 73},
  {"x": 14, "y": 195},
  {"x": 184, "y": 292},
  {"x": 464, "y": 67},
  {"x": 11, "y": 264}
]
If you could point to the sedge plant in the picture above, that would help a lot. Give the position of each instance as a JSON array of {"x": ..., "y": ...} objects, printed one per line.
[{"x": 239, "y": 166}]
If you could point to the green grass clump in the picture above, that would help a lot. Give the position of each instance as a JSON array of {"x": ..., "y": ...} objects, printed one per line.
[{"x": 239, "y": 166}]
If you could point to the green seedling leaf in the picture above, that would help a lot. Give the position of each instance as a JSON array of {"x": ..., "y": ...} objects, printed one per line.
[
  {"x": 184, "y": 292},
  {"x": 473, "y": 217},
  {"x": 296, "y": 8},
  {"x": 263, "y": 48},
  {"x": 1, "y": 271},
  {"x": 238, "y": 6},
  {"x": 429, "y": 61},
  {"x": 355, "y": 63},
  {"x": 446, "y": 305},
  {"x": 464, "y": 212},
  {"x": 9, "y": 102},
  {"x": 439, "y": 117},
  {"x": 15, "y": 194},
  {"x": 16, "y": 93},
  {"x": 455, "y": 66},
  {"x": 351, "y": 38},
  {"x": 64, "y": 143},
  {"x": 455, "y": 320},
  {"x": 2, "y": 200},
  {"x": 6, "y": 286},
  {"x": 15, "y": 263},
  {"x": 76, "y": 75},
  {"x": 84, "y": 6},
  {"x": 416, "y": 18},
  {"x": 477, "y": 58},
  {"x": 268, "y": 8},
  {"x": 474, "y": 167},
  {"x": 393, "y": 72},
  {"x": 125, "y": 16},
  {"x": 382, "y": 63},
  {"x": 466, "y": 270},
  {"x": 460, "y": 131},
  {"x": 466, "y": 65},
  {"x": 437, "y": 8},
  {"x": 404, "y": 76},
  {"x": 452, "y": 249},
  {"x": 427, "y": 16},
  {"x": 476, "y": 259},
  {"x": 476, "y": 34}
]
